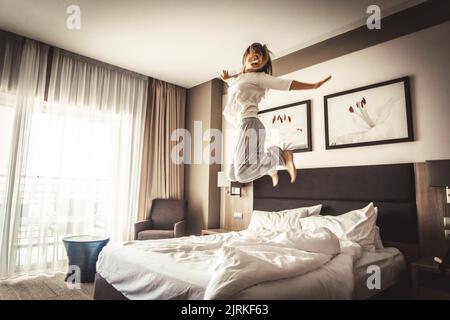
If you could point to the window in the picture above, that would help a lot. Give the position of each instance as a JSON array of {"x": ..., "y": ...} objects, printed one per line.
[{"x": 66, "y": 182}]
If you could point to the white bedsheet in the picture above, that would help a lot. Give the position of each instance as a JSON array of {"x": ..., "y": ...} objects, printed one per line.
[
  {"x": 333, "y": 280},
  {"x": 184, "y": 268},
  {"x": 391, "y": 263},
  {"x": 269, "y": 257}
]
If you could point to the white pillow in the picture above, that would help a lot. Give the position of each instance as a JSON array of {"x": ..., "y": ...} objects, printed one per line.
[
  {"x": 310, "y": 211},
  {"x": 280, "y": 221},
  {"x": 373, "y": 242},
  {"x": 377, "y": 237},
  {"x": 356, "y": 225}
]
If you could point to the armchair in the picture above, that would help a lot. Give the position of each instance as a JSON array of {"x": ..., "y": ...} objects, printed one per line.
[{"x": 167, "y": 220}]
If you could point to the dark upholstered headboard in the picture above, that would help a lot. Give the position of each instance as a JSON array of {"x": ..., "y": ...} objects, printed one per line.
[{"x": 390, "y": 187}]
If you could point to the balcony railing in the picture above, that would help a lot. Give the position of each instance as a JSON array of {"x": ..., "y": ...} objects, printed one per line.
[{"x": 50, "y": 208}]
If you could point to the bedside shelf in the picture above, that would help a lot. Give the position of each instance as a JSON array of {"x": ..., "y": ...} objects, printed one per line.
[{"x": 428, "y": 281}]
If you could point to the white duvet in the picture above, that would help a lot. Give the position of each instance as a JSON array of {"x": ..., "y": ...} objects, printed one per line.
[
  {"x": 219, "y": 266},
  {"x": 269, "y": 257}
]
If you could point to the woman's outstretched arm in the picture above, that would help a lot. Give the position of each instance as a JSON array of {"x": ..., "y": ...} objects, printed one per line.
[
  {"x": 270, "y": 82},
  {"x": 226, "y": 77},
  {"x": 297, "y": 85}
]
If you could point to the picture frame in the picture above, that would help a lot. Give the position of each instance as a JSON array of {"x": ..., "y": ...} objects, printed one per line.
[
  {"x": 376, "y": 114},
  {"x": 288, "y": 125}
]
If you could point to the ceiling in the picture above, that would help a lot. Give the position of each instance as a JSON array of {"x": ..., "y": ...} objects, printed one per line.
[{"x": 186, "y": 42}]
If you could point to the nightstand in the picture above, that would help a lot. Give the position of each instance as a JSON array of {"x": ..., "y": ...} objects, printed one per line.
[
  {"x": 213, "y": 231},
  {"x": 428, "y": 281}
]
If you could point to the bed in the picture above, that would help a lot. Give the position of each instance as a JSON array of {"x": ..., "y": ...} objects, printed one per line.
[{"x": 134, "y": 271}]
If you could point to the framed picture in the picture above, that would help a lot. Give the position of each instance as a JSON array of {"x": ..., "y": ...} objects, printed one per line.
[
  {"x": 374, "y": 114},
  {"x": 288, "y": 126}
]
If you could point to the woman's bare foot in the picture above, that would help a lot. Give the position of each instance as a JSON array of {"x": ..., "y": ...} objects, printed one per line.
[
  {"x": 274, "y": 178},
  {"x": 288, "y": 156}
]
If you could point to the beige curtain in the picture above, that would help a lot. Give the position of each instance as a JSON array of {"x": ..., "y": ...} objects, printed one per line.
[{"x": 161, "y": 178}]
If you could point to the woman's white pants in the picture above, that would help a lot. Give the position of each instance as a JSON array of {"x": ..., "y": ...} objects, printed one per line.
[{"x": 250, "y": 161}]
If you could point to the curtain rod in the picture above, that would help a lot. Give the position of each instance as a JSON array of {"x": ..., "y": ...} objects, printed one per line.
[
  {"x": 101, "y": 63},
  {"x": 17, "y": 37},
  {"x": 10, "y": 35},
  {"x": 86, "y": 58}
]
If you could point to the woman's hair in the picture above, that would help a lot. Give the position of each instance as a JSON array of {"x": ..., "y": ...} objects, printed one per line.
[{"x": 264, "y": 51}]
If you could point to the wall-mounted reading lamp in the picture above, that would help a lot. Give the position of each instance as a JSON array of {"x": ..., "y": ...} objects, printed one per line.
[
  {"x": 234, "y": 187},
  {"x": 439, "y": 175}
]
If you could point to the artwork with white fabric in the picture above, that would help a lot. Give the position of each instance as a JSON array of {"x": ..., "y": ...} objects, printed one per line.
[
  {"x": 288, "y": 126},
  {"x": 375, "y": 114}
]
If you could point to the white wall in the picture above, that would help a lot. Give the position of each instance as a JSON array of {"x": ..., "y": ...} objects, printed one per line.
[{"x": 424, "y": 56}]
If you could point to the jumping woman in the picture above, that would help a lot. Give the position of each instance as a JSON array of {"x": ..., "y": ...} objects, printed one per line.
[{"x": 245, "y": 91}]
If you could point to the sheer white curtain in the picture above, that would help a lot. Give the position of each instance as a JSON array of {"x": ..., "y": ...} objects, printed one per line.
[
  {"x": 77, "y": 161},
  {"x": 95, "y": 121},
  {"x": 20, "y": 88}
]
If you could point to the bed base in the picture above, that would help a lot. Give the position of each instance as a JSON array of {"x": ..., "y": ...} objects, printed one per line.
[{"x": 105, "y": 291}]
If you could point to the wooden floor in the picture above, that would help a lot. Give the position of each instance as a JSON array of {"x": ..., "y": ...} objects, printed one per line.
[{"x": 44, "y": 288}]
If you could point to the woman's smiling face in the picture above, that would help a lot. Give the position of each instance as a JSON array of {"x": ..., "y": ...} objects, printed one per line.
[{"x": 254, "y": 60}]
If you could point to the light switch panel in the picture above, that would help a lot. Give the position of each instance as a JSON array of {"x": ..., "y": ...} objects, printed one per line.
[
  {"x": 447, "y": 191},
  {"x": 447, "y": 223},
  {"x": 238, "y": 215}
]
